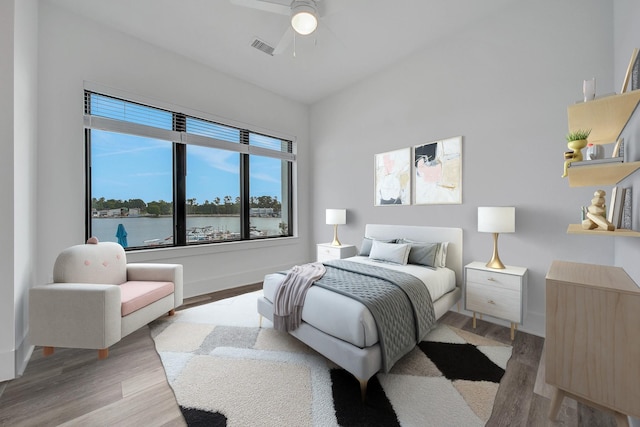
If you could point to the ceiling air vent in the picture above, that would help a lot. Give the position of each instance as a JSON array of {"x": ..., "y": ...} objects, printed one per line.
[{"x": 262, "y": 46}]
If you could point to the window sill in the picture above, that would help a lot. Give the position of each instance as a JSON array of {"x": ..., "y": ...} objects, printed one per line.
[{"x": 150, "y": 255}]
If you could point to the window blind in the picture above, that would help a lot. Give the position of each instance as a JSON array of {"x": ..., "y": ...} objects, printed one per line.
[{"x": 118, "y": 115}]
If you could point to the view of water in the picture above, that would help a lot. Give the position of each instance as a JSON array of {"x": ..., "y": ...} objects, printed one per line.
[{"x": 156, "y": 230}]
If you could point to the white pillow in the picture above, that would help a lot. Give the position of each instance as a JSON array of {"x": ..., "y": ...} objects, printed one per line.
[
  {"x": 365, "y": 249},
  {"x": 441, "y": 257},
  {"x": 390, "y": 252}
]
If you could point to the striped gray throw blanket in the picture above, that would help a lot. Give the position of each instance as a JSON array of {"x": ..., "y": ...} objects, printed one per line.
[{"x": 289, "y": 297}]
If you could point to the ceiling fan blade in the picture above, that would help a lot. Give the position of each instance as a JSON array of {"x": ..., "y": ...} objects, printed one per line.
[
  {"x": 328, "y": 8},
  {"x": 266, "y": 6},
  {"x": 284, "y": 42}
]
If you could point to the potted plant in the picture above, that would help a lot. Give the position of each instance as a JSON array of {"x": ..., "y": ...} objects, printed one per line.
[{"x": 576, "y": 141}]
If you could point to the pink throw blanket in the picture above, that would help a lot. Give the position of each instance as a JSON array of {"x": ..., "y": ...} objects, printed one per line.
[{"x": 290, "y": 295}]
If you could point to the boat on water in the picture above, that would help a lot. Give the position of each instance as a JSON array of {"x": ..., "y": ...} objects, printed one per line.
[{"x": 207, "y": 234}]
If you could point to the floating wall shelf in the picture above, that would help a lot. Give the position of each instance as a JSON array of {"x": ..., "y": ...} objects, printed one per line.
[
  {"x": 600, "y": 174},
  {"x": 606, "y": 117},
  {"x": 619, "y": 232}
]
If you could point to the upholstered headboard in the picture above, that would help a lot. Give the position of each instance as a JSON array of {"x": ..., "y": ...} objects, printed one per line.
[{"x": 424, "y": 234}]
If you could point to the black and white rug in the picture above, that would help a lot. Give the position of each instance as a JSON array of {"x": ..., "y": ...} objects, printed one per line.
[{"x": 227, "y": 371}]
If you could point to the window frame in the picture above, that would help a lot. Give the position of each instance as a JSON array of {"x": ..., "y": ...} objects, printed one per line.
[{"x": 181, "y": 139}]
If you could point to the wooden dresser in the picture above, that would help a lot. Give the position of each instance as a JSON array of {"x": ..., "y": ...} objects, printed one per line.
[{"x": 593, "y": 337}]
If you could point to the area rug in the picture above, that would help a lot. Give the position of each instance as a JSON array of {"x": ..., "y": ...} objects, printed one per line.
[{"x": 226, "y": 370}]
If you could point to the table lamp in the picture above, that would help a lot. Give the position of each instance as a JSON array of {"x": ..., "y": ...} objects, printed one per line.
[
  {"x": 496, "y": 220},
  {"x": 335, "y": 217}
]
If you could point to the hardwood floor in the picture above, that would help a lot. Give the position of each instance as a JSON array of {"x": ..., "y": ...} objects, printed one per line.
[
  {"x": 129, "y": 388},
  {"x": 516, "y": 403}
]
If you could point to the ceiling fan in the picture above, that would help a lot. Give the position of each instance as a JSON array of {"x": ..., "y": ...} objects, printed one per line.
[{"x": 305, "y": 15}]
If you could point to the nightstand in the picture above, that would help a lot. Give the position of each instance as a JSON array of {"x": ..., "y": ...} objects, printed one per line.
[
  {"x": 498, "y": 293},
  {"x": 326, "y": 251}
]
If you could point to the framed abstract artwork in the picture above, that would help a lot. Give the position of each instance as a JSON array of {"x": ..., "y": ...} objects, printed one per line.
[
  {"x": 437, "y": 172},
  {"x": 392, "y": 178}
]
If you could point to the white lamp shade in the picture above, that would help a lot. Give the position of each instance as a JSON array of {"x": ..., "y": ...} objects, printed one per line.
[
  {"x": 336, "y": 216},
  {"x": 303, "y": 17},
  {"x": 497, "y": 219}
]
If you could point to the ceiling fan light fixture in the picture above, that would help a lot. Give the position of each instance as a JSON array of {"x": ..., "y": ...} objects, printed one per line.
[{"x": 304, "y": 17}]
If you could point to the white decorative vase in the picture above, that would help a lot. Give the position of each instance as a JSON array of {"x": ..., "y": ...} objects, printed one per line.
[
  {"x": 589, "y": 89},
  {"x": 595, "y": 151}
]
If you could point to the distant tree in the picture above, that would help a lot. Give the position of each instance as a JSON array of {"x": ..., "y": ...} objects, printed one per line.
[
  {"x": 190, "y": 203},
  {"x": 136, "y": 203},
  {"x": 153, "y": 209},
  {"x": 166, "y": 208}
]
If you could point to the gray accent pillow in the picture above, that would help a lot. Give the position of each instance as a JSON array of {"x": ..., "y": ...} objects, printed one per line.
[
  {"x": 390, "y": 252},
  {"x": 423, "y": 253},
  {"x": 365, "y": 248}
]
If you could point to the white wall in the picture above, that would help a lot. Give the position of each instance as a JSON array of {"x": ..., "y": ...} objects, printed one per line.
[
  {"x": 74, "y": 50},
  {"x": 503, "y": 84},
  {"x": 7, "y": 312},
  {"x": 627, "y": 37},
  {"x": 18, "y": 136},
  {"x": 25, "y": 155}
]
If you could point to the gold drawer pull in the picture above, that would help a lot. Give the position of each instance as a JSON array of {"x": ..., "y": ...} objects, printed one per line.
[
  {"x": 491, "y": 302},
  {"x": 491, "y": 279}
]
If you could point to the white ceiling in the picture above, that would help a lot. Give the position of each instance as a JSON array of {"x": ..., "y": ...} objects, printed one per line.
[{"x": 355, "y": 39}]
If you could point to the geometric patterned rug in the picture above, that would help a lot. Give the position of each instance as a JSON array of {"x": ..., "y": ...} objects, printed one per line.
[{"x": 227, "y": 371}]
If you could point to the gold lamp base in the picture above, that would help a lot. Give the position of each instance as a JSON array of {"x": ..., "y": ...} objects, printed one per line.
[
  {"x": 335, "y": 242},
  {"x": 495, "y": 259}
]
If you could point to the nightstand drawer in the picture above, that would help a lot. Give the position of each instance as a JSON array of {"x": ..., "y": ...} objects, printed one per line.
[
  {"x": 494, "y": 301},
  {"x": 495, "y": 279},
  {"x": 326, "y": 252}
]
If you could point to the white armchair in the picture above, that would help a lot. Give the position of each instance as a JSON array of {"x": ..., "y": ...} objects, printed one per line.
[{"x": 97, "y": 298}]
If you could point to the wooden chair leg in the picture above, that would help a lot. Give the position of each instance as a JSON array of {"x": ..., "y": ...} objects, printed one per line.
[
  {"x": 172, "y": 312},
  {"x": 47, "y": 351},
  {"x": 103, "y": 353}
]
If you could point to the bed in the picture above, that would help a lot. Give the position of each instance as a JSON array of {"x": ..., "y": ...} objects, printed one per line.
[{"x": 349, "y": 336}]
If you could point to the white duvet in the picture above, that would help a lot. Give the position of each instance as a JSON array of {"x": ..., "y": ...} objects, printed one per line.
[{"x": 348, "y": 319}]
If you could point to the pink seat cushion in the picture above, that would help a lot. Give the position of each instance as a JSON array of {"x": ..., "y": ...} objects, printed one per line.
[{"x": 136, "y": 294}]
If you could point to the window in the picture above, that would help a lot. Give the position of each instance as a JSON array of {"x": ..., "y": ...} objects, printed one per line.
[{"x": 159, "y": 178}]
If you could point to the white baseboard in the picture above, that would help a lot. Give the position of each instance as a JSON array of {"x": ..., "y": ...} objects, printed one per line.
[
  {"x": 23, "y": 355},
  {"x": 534, "y": 323},
  {"x": 7, "y": 365},
  {"x": 231, "y": 281},
  {"x": 14, "y": 362}
]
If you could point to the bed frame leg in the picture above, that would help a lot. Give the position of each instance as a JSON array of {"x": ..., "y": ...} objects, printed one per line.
[
  {"x": 260, "y": 321},
  {"x": 363, "y": 388}
]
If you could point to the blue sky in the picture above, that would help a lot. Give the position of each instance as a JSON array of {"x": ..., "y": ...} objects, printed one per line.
[{"x": 131, "y": 167}]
